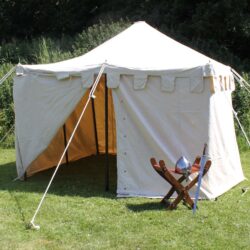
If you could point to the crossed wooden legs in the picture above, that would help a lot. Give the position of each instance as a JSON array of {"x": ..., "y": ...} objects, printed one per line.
[{"x": 182, "y": 191}]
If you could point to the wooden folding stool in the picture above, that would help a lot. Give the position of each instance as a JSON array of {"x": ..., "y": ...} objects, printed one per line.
[{"x": 176, "y": 184}]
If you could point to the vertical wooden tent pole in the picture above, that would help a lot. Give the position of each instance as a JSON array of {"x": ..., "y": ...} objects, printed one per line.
[
  {"x": 106, "y": 136},
  {"x": 65, "y": 143},
  {"x": 94, "y": 122}
]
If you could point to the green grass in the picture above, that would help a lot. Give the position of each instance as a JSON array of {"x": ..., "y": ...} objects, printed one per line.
[{"x": 79, "y": 214}]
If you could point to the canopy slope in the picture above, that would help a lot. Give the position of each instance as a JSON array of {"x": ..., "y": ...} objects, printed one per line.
[{"x": 139, "y": 47}]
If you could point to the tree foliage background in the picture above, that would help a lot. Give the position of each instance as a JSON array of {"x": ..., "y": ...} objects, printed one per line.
[
  {"x": 219, "y": 28},
  {"x": 37, "y": 31}
]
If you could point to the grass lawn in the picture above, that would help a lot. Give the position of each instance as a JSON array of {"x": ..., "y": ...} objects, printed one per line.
[{"x": 79, "y": 214}]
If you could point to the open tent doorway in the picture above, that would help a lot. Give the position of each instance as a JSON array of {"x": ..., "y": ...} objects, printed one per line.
[{"x": 95, "y": 135}]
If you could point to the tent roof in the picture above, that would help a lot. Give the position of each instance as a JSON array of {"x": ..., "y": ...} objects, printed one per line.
[{"x": 139, "y": 47}]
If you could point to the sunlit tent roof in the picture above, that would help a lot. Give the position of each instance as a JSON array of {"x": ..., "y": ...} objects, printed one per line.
[
  {"x": 165, "y": 100},
  {"x": 140, "y": 47}
]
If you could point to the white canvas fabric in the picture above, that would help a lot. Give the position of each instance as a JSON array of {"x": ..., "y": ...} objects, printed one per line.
[
  {"x": 161, "y": 126},
  {"x": 140, "y": 47},
  {"x": 169, "y": 100},
  {"x": 41, "y": 106},
  {"x": 167, "y": 126}
]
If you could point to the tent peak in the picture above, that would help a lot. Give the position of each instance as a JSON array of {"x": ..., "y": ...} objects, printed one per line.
[
  {"x": 140, "y": 22},
  {"x": 139, "y": 47}
]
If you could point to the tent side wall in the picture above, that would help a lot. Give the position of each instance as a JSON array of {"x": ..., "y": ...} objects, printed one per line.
[
  {"x": 226, "y": 170},
  {"x": 171, "y": 123},
  {"x": 155, "y": 123}
]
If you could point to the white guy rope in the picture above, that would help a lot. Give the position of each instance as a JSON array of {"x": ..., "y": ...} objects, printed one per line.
[
  {"x": 91, "y": 95},
  {"x": 7, "y": 75},
  {"x": 236, "y": 116},
  {"x": 239, "y": 77},
  {"x": 7, "y": 133},
  {"x": 244, "y": 86},
  {"x": 241, "y": 127},
  {"x": 243, "y": 83}
]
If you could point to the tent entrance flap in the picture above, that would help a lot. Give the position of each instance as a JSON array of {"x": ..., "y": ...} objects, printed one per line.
[{"x": 89, "y": 137}]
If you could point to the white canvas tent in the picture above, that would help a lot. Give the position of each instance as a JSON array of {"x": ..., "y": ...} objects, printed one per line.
[{"x": 165, "y": 100}]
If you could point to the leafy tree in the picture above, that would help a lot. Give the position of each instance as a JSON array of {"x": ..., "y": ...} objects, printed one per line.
[
  {"x": 7, "y": 116},
  {"x": 218, "y": 28}
]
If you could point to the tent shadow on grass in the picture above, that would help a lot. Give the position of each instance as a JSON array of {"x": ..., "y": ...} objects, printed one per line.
[
  {"x": 146, "y": 206},
  {"x": 85, "y": 177}
]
